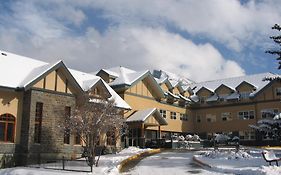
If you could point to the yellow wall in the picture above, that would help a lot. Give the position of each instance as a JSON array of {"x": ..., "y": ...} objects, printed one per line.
[
  {"x": 164, "y": 87},
  {"x": 223, "y": 90},
  {"x": 176, "y": 90},
  {"x": 136, "y": 97},
  {"x": 11, "y": 102},
  {"x": 245, "y": 87},
  {"x": 55, "y": 81},
  {"x": 142, "y": 88},
  {"x": 204, "y": 93},
  {"x": 266, "y": 99}
]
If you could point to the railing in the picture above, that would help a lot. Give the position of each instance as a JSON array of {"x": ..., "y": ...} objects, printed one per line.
[{"x": 79, "y": 165}]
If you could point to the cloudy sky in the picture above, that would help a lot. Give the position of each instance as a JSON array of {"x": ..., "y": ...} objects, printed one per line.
[{"x": 202, "y": 40}]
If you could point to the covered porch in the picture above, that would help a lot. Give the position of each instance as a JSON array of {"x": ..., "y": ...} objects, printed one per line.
[{"x": 145, "y": 127}]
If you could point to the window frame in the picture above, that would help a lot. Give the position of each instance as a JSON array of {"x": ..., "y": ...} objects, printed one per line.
[
  {"x": 163, "y": 113},
  {"x": 66, "y": 134},
  {"x": 246, "y": 115},
  {"x": 173, "y": 115},
  {"x": 38, "y": 122},
  {"x": 8, "y": 119}
]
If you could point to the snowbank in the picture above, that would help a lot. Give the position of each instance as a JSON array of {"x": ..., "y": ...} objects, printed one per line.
[
  {"x": 107, "y": 165},
  {"x": 237, "y": 163},
  {"x": 227, "y": 154}
]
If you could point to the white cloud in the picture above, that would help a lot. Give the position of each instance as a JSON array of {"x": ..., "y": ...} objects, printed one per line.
[
  {"x": 228, "y": 22},
  {"x": 137, "y": 48}
]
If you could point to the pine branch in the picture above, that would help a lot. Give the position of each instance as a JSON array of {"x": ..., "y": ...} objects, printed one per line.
[{"x": 276, "y": 27}]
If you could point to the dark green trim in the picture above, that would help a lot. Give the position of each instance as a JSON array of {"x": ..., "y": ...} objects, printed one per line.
[{"x": 52, "y": 92}]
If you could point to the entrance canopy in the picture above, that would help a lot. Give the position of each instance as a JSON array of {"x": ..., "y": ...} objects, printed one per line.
[{"x": 150, "y": 117}]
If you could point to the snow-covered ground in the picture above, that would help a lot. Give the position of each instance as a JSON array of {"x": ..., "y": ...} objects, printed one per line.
[
  {"x": 108, "y": 164},
  {"x": 225, "y": 161},
  {"x": 243, "y": 162},
  {"x": 169, "y": 163}
]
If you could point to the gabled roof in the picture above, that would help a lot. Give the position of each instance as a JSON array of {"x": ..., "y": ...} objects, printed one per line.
[
  {"x": 27, "y": 71},
  {"x": 127, "y": 78},
  {"x": 223, "y": 85},
  {"x": 256, "y": 80},
  {"x": 245, "y": 82},
  {"x": 142, "y": 115},
  {"x": 202, "y": 88},
  {"x": 167, "y": 82},
  {"x": 87, "y": 81},
  {"x": 14, "y": 69}
]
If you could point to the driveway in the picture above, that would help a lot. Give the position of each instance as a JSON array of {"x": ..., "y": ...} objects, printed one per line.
[{"x": 172, "y": 162}]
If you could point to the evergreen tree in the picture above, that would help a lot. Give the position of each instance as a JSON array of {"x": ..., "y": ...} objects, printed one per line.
[{"x": 277, "y": 40}]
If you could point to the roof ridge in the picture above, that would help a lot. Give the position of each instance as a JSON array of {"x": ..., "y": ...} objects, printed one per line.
[{"x": 229, "y": 78}]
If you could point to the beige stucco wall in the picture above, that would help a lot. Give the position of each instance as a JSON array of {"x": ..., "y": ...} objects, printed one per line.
[
  {"x": 11, "y": 102},
  {"x": 266, "y": 99},
  {"x": 55, "y": 79},
  {"x": 222, "y": 90},
  {"x": 141, "y": 101}
]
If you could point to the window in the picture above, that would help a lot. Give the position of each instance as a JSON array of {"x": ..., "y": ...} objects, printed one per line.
[
  {"x": 246, "y": 115},
  {"x": 245, "y": 95},
  {"x": 184, "y": 117},
  {"x": 77, "y": 139},
  {"x": 198, "y": 119},
  {"x": 211, "y": 118},
  {"x": 38, "y": 122},
  {"x": 7, "y": 128},
  {"x": 278, "y": 91},
  {"x": 269, "y": 113},
  {"x": 226, "y": 116},
  {"x": 163, "y": 113},
  {"x": 66, "y": 138},
  {"x": 247, "y": 135},
  {"x": 173, "y": 115}
]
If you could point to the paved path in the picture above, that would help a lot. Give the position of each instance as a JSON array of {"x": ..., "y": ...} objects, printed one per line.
[{"x": 170, "y": 163}]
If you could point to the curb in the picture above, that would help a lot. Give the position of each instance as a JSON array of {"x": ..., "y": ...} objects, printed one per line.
[
  {"x": 200, "y": 162},
  {"x": 136, "y": 157}
]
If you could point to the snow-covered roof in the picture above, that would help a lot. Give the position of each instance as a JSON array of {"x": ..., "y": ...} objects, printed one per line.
[
  {"x": 129, "y": 77},
  {"x": 142, "y": 115},
  {"x": 172, "y": 95},
  {"x": 16, "y": 70},
  {"x": 212, "y": 98},
  {"x": 87, "y": 81},
  {"x": 124, "y": 76},
  {"x": 184, "y": 98},
  {"x": 256, "y": 80},
  {"x": 233, "y": 96}
]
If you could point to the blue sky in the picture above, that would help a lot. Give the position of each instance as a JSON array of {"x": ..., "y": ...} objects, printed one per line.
[{"x": 202, "y": 40}]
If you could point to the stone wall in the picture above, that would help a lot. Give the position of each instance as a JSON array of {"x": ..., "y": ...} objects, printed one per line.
[{"x": 51, "y": 145}]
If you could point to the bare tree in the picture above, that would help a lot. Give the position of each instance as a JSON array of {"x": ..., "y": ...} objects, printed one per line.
[{"x": 94, "y": 116}]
